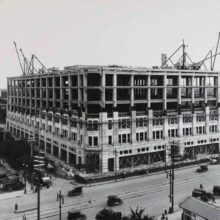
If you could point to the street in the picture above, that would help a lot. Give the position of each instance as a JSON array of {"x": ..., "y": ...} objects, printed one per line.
[{"x": 149, "y": 192}]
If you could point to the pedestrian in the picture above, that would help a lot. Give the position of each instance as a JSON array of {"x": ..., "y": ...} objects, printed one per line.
[
  {"x": 201, "y": 186},
  {"x": 165, "y": 212},
  {"x": 24, "y": 217},
  {"x": 213, "y": 200},
  {"x": 16, "y": 207},
  {"x": 163, "y": 217}
]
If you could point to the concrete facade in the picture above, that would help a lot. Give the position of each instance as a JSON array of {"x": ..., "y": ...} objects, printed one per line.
[{"x": 110, "y": 118}]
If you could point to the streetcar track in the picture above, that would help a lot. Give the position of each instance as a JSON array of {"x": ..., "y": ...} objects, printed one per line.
[{"x": 128, "y": 194}]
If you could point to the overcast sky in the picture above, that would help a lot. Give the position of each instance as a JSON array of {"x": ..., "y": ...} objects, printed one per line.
[{"x": 123, "y": 32}]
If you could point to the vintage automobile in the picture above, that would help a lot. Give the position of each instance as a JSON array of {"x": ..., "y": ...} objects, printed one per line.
[
  {"x": 216, "y": 190},
  {"x": 76, "y": 215},
  {"x": 205, "y": 196},
  {"x": 202, "y": 168},
  {"x": 76, "y": 191},
  {"x": 114, "y": 200}
]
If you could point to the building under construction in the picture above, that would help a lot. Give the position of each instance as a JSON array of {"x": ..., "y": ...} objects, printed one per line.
[{"x": 112, "y": 117}]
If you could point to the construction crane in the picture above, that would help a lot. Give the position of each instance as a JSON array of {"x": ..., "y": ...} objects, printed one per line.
[
  {"x": 29, "y": 66},
  {"x": 182, "y": 64}
]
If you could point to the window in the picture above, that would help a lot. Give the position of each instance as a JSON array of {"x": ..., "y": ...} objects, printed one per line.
[
  {"x": 187, "y": 131},
  {"x": 95, "y": 141},
  {"x": 157, "y": 135},
  {"x": 124, "y": 138},
  {"x": 119, "y": 139},
  {"x": 110, "y": 140},
  {"x": 200, "y": 130},
  {"x": 90, "y": 141},
  {"x": 109, "y": 125}
]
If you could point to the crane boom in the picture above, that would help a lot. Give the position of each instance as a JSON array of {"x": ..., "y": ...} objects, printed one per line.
[
  {"x": 19, "y": 59},
  {"x": 216, "y": 50}
]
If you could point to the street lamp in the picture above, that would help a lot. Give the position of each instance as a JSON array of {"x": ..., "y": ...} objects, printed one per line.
[
  {"x": 25, "y": 177},
  {"x": 60, "y": 198}
]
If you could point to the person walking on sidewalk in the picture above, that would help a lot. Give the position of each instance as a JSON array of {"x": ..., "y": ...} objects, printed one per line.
[
  {"x": 16, "y": 207},
  {"x": 213, "y": 200}
]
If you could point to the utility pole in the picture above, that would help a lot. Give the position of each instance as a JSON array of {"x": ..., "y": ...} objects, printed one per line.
[
  {"x": 39, "y": 162},
  {"x": 38, "y": 198},
  {"x": 171, "y": 180},
  {"x": 60, "y": 198},
  {"x": 115, "y": 153}
]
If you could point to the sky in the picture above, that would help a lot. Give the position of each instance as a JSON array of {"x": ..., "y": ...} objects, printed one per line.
[{"x": 122, "y": 32}]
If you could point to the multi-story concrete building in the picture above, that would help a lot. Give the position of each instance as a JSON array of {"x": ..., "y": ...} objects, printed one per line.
[{"x": 112, "y": 117}]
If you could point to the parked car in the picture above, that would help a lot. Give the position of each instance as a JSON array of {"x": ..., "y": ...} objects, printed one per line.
[
  {"x": 114, "y": 200},
  {"x": 76, "y": 191},
  {"x": 216, "y": 190},
  {"x": 202, "y": 168},
  {"x": 198, "y": 192},
  {"x": 205, "y": 196},
  {"x": 76, "y": 215}
]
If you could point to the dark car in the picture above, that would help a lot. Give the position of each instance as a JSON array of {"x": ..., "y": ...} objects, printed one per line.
[
  {"x": 76, "y": 191},
  {"x": 205, "y": 196},
  {"x": 76, "y": 215},
  {"x": 202, "y": 168},
  {"x": 216, "y": 190},
  {"x": 198, "y": 192},
  {"x": 114, "y": 200}
]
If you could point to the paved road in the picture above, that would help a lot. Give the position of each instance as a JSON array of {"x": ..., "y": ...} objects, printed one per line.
[{"x": 149, "y": 192}]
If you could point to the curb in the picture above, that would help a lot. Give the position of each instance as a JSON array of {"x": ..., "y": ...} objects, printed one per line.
[
  {"x": 27, "y": 210},
  {"x": 140, "y": 176}
]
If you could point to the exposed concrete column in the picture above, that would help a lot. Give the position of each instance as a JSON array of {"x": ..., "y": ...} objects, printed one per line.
[
  {"x": 218, "y": 127},
  {"x": 70, "y": 93},
  {"x": 53, "y": 124},
  {"x": 103, "y": 90},
  {"x": 46, "y": 122},
  {"x": 150, "y": 124},
  {"x": 85, "y": 89},
  {"x": 181, "y": 149},
  {"x": 67, "y": 156},
  {"x": 206, "y": 90},
  {"x": 85, "y": 140},
  {"x": 193, "y": 90},
  {"x": 104, "y": 161},
  {"x": 79, "y": 91},
  {"x": 60, "y": 125},
  {"x": 52, "y": 149},
  {"x": 133, "y": 126},
  {"x": 218, "y": 90},
  {"x": 61, "y": 92},
  {"x": 165, "y": 92},
  {"x": 104, "y": 129},
  {"x": 179, "y": 89},
  {"x": 207, "y": 119},
  {"x": 69, "y": 126},
  {"x": 114, "y": 90},
  {"x": 47, "y": 93},
  {"x": 148, "y": 93},
  {"x": 167, "y": 157},
  {"x": 194, "y": 124},
  {"x": 40, "y": 120},
  {"x": 165, "y": 127},
  {"x": 115, "y": 128},
  {"x": 53, "y": 86},
  {"x": 132, "y": 90},
  {"x": 180, "y": 125},
  {"x": 41, "y": 94}
]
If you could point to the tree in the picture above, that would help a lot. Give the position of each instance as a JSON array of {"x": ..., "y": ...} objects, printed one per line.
[
  {"x": 138, "y": 214},
  {"x": 108, "y": 214}
]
